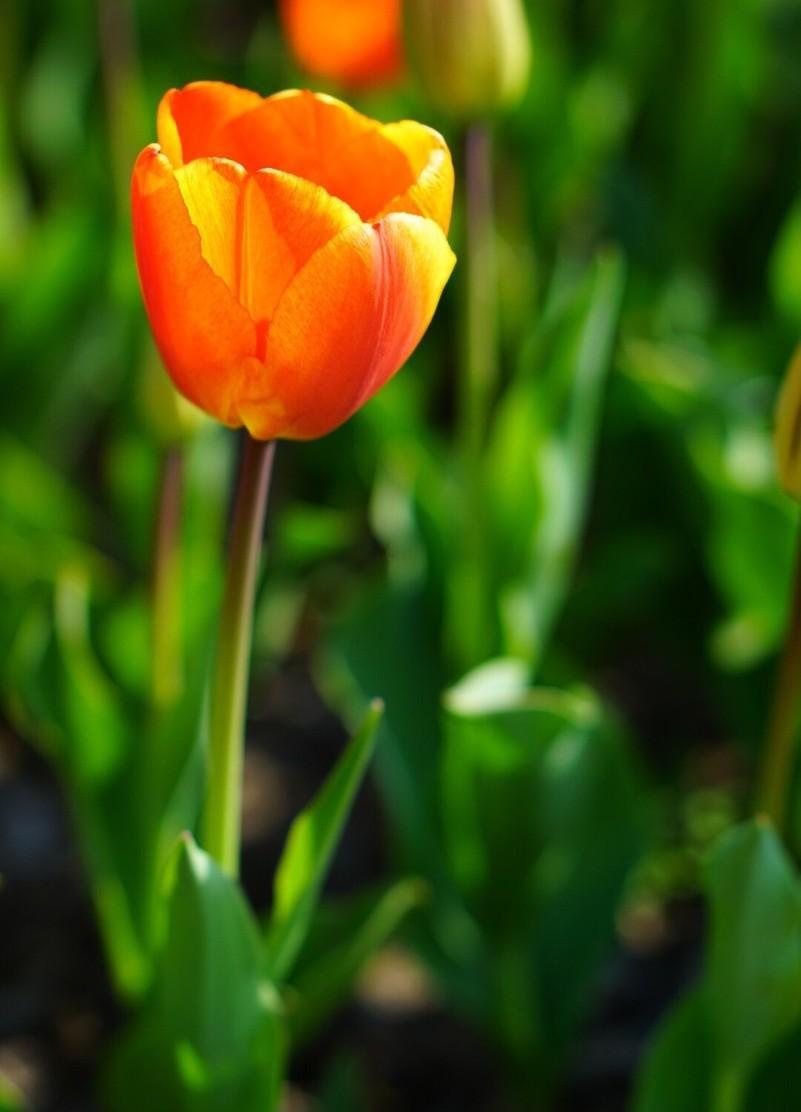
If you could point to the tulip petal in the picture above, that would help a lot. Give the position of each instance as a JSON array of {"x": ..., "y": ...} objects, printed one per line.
[
  {"x": 189, "y": 119},
  {"x": 212, "y": 189},
  {"x": 403, "y": 167},
  {"x": 345, "y": 325},
  {"x": 325, "y": 141},
  {"x": 287, "y": 221},
  {"x": 204, "y": 335},
  {"x": 258, "y": 230},
  {"x": 431, "y": 192}
]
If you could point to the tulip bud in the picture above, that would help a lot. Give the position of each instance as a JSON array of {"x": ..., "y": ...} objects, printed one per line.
[
  {"x": 472, "y": 56},
  {"x": 787, "y": 437}
]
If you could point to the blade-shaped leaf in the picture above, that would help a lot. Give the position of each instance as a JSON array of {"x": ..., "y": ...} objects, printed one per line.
[
  {"x": 754, "y": 966},
  {"x": 675, "y": 1076},
  {"x": 310, "y": 846},
  {"x": 542, "y": 445},
  {"x": 211, "y": 1036},
  {"x": 346, "y": 938},
  {"x": 750, "y": 995}
]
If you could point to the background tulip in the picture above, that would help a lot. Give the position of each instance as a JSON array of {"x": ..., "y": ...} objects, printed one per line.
[
  {"x": 472, "y": 56},
  {"x": 291, "y": 252},
  {"x": 356, "y": 42}
]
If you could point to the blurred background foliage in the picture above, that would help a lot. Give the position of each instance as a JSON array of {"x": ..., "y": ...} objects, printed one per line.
[{"x": 629, "y": 593}]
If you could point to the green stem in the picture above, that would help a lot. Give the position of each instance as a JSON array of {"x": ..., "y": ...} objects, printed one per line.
[
  {"x": 779, "y": 750},
  {"x": 519, "y": 1022},
  {"x": 229, "y": 685},
  {"x": 481, "y": 326},
  {"x": 472, "y": 615},
  {"x": 166, "y": 674}
]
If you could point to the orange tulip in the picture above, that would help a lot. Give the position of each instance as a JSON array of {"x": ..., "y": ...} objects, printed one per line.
[
  {"x": 357, "y": 42},
  {"x": 291, "y": 252}
]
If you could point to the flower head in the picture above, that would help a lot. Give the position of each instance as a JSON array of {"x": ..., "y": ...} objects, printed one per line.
[
  {"x": 355, "y": 42},
  {"x": 291, "y": 252}
]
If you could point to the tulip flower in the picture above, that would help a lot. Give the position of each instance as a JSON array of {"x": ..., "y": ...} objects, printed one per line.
[
  {"x": 355, "y": 42},
  {"x": 291, "y": 252}
]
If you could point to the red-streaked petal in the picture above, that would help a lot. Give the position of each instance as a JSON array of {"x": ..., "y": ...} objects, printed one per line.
[
  {"x": 346, "y": 324},
  {"x": 205, "y": 337}
]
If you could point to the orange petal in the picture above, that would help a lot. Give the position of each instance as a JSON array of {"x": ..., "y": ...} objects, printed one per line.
[
  {"x": 357, "y": 42},
  {"x": 431, "y": 192},
  {"x": 205, "y": 337},
  {"x": 325, "y": 141},
  {"x": 403, "y": 167},
  {"x": 287, "y": 220},
  {"x": 212, "y": 190},
  {"x": 346, "y": 324},
  {"x": 190, "y": 118},
  {"x": 258, "y": 230}
]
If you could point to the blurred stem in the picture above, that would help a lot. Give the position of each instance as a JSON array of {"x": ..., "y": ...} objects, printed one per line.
[
  {"x": 481, "y": 352},
  {"x": 229, "y": 684},
  {"x": 478, "y": 381},
  {"x": 167, "y": 673},
  {"x": 777, "y": 768},
  {"x": 518, "y": 1020},
  {"x": 123, "y": 91}
]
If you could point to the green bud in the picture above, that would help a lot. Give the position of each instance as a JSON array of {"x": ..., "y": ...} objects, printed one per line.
[
  {"x": 787, "y": 438},
  {"x": 472, "y": 56}
]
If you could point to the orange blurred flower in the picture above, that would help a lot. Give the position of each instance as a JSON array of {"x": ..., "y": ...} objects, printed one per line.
[
  {"x": 291, "y": 252},
  {"x": 357, "y": 42}
]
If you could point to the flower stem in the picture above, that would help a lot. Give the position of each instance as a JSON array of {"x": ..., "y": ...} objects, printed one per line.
[
  {"x": 166, "y": 674},
  {"x": 229, "y": 684},
  {"x": 472, "y": 632},
  {"x": 481, "y": 351},
  {"x": 779, "y": 745}
]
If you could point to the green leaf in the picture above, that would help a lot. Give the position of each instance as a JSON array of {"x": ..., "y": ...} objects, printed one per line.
[
  {"x": 211, "y": 1036},
  {"x": 346, "y": 937},
  {"x": 675, "y": 1076},
  {"x": 387, "y": 645},
  {"x": 342, "y": 1088},
  {"x": 542, "y": 445},
  {"x": 753, "y": 974},
  {"x": 310, "y": 846},
  {"x": 777, "y": 1079},
  {"x": 750, "y": 996},
  {"x": 543, "y": 821}
]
